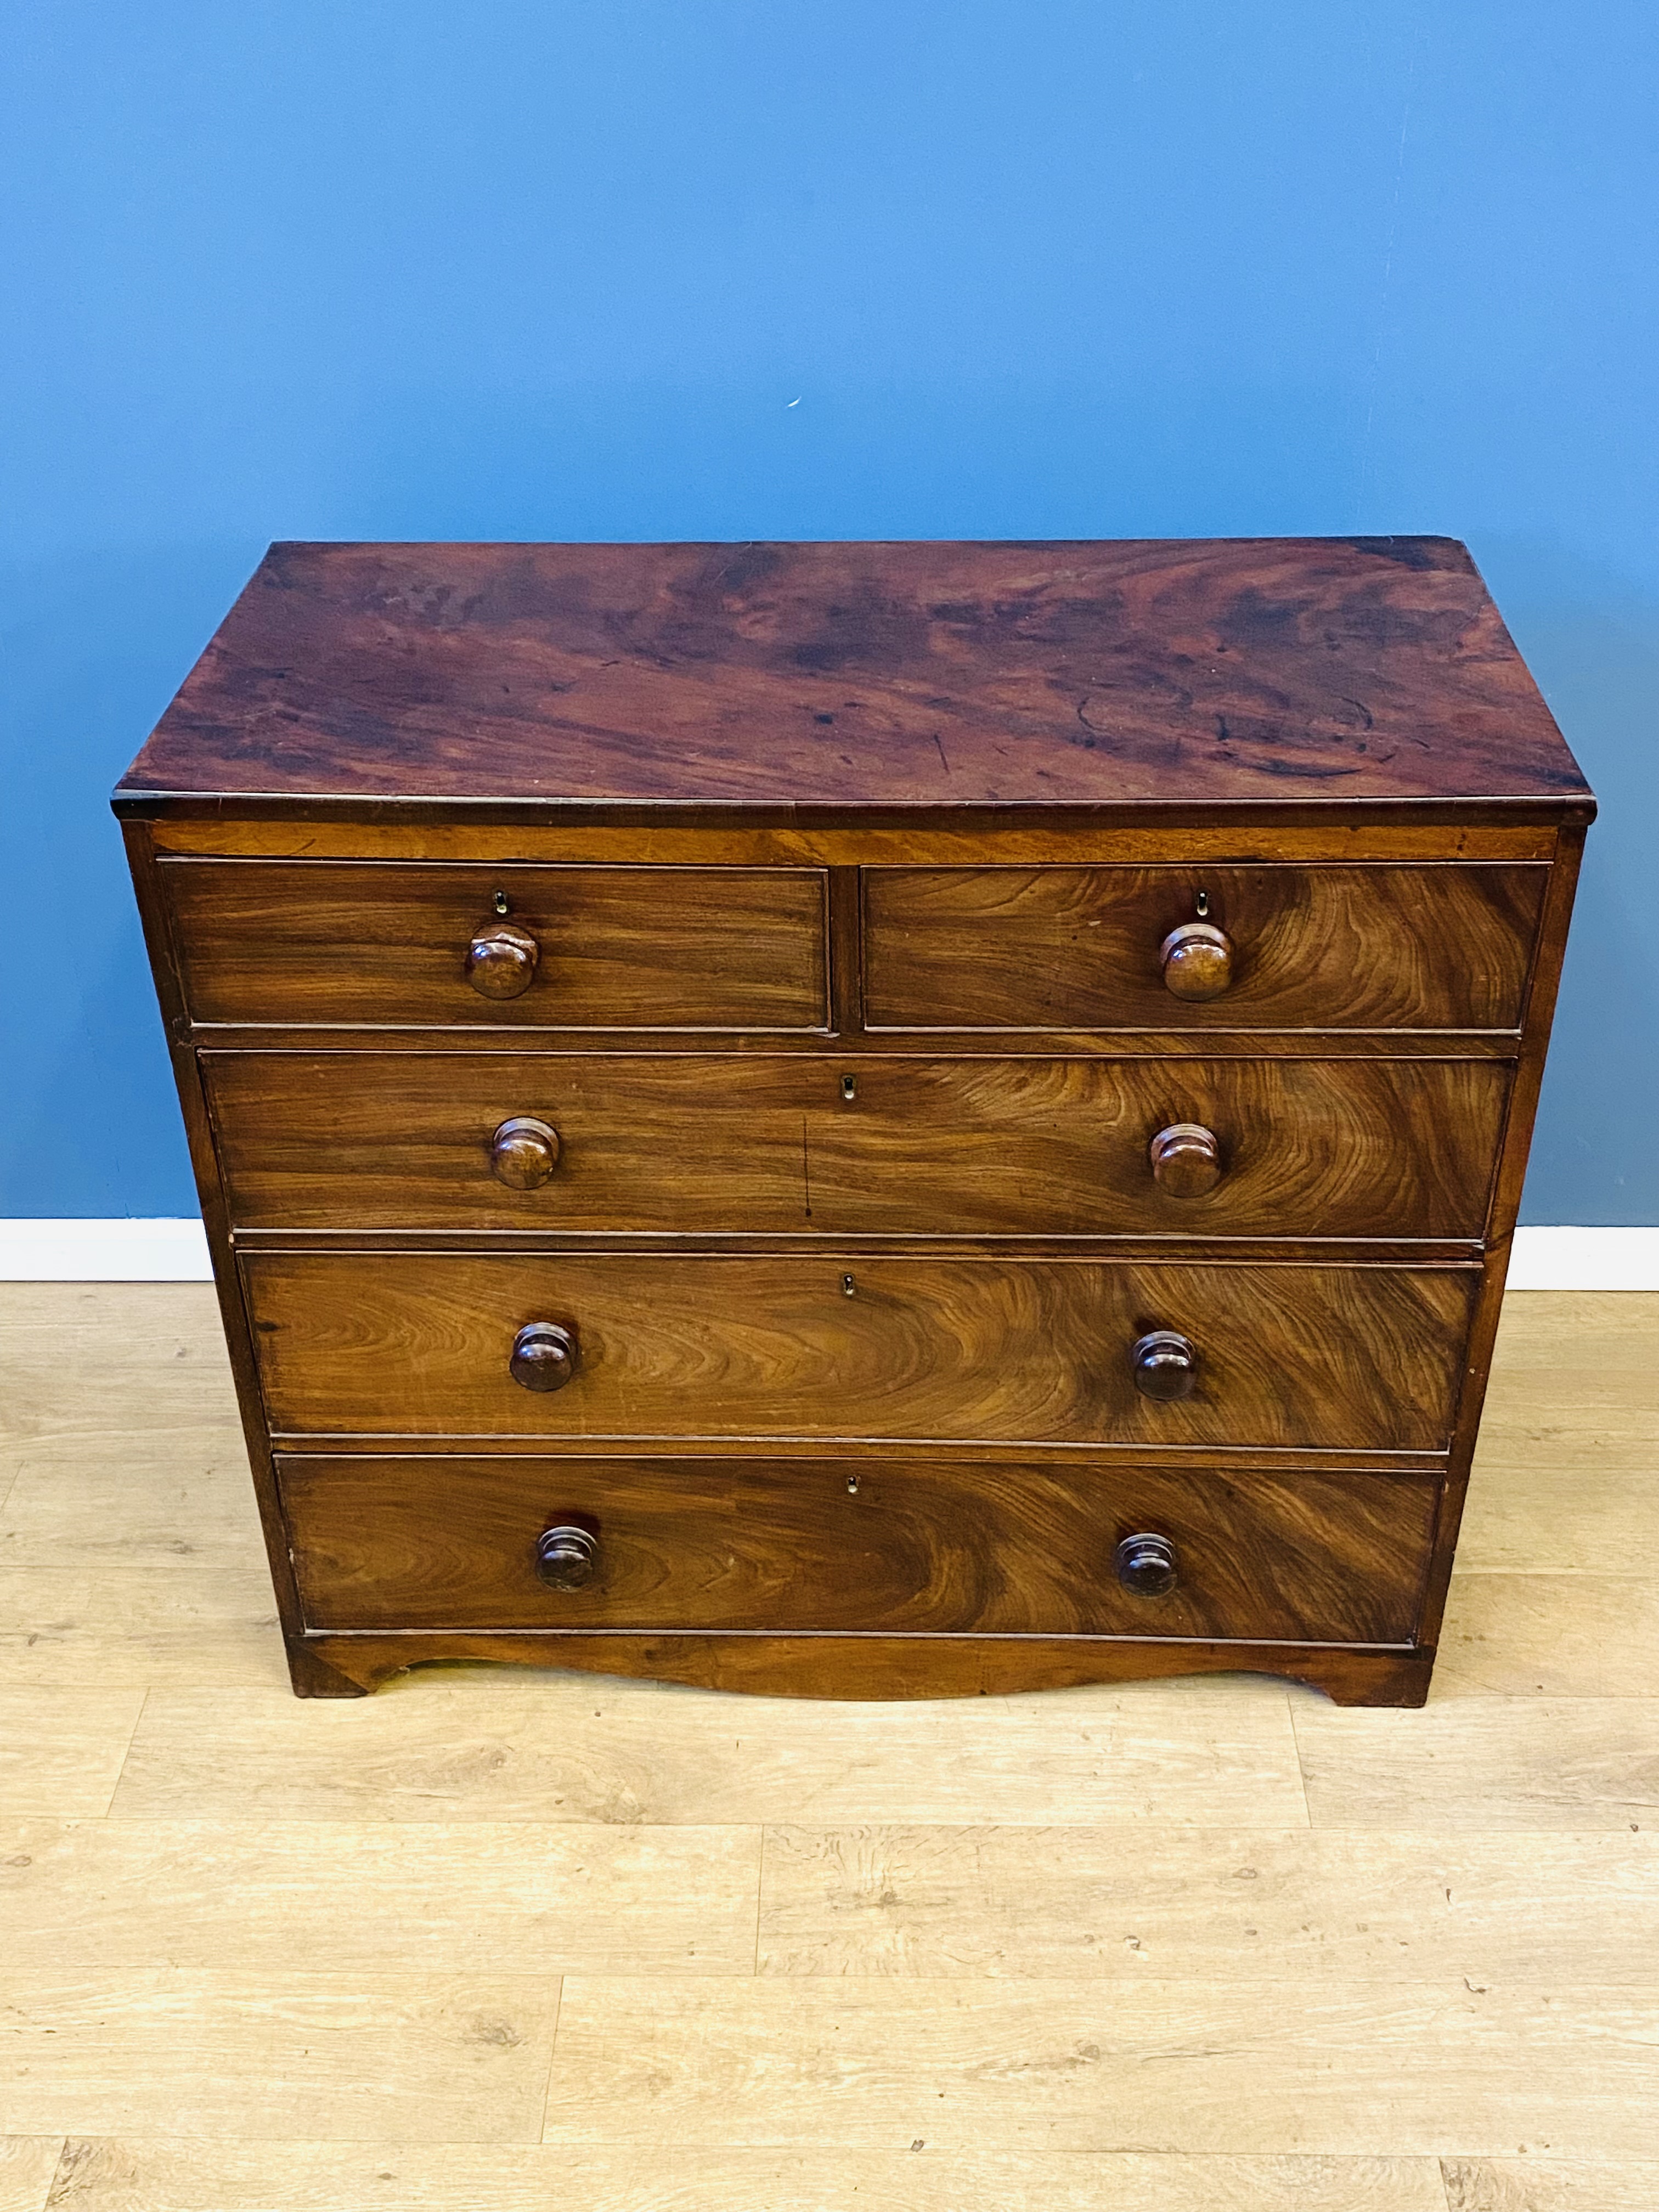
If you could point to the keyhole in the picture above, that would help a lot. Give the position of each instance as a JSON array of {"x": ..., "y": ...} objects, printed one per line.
[
  {"x": 1203, "y": 904},
  {"x": 849, "y": 1086},
  {"x": 849, "y": 1289},
  {"x": 501, "y": 902},
  {"x": 852, "y": 1486}
]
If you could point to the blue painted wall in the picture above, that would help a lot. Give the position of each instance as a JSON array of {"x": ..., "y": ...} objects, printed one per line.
[{"x": 291, "y": 268}]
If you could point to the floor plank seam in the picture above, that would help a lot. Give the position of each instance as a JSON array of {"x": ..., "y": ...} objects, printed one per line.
[
  {"x": 63, "y": 2169},
  {"x": 552, "y": 2058},
  {"x": 1301, "y": 1763},
  {"x": 763, "y": 1832},
  {"x": 126, "y": 1752}
]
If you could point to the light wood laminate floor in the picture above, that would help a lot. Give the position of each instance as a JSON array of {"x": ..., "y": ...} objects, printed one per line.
[{"x": 514, "y": 1941}]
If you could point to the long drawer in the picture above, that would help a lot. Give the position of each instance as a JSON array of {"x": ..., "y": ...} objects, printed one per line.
[
  {"x": 699, "y": 1145},
  {"x": 920, "y": 1548},
  {"x": 1360, "y": 1358},
  {"x": 354, "y": 944},
  {"x": 1442, "y": 947}
]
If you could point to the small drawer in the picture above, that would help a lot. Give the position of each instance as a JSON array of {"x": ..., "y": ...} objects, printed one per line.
[
  {"x": 350, "y": 944},
  {"x": 620, "y": 1345},
  {"x": 1442, "y": 947},
  {"x": 920, "y": 1548},
  {"x": 804, "y": 1145}
]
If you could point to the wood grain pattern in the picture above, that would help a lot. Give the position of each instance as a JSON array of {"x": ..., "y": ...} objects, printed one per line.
[
  {"x": 1320, "y": 1909},
  {"x": 1106, "y": 1045},
  {"x": 629, "y": 759},
  {"x": 93, "y": 1625},
  {"x": 319, "y": 942},
  {"x": 61, "y": 1750},
  {"x": 27, "y": 2163},
  {"x": 920, "y": 1547},
  {"x": 61, "y": 1371},
  {"x": 858, "y": 676},
  {"x": 1057, "y": 2065},
  {"x": 1029, "y": 835},
  {"x": 709, "y": 1146},
  {"x": 455, "y": 2057},
  {"x": 954, "y": 1850},
  {"x": 1438, "y": 948},
  {"x": 1586, "y": 1631},
  {"x": 1010, "y": 1351},
  {"x": 861, "y": 1667},
  {"x": 1559, "y": 1764},
  {"x": 1527, "y": 1508},
  {"x": 161, "y": 938},
  {"x": 178, "y": 2174},
  {"x": 130, "y": 1499},
  {"x": 1551, "y": 2185},
  {"x": 1506, "y": 1198},
  {"x": 562, "y": 1747},
  {"x": 511, "y": 1900}
]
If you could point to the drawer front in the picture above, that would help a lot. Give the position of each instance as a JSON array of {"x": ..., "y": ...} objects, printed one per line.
[
  {"x": 696, "y": 1144},
  {"x": 1000, "y": 1350},
  {"x": 915, "y": 1547},
  {"x": 1442, "y": 947},
  {"x": 327, "y": 943}
]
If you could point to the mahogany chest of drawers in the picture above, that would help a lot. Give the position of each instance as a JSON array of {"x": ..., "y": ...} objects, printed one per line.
[{"x": 860, "y": 1119}]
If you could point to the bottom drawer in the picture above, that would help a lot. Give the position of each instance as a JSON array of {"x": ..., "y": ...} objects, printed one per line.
[{"x": 918, "y": 1547}]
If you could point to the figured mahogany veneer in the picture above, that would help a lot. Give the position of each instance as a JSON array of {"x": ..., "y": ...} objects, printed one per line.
[
  {"x": 1007, "y": 1350},
  {"x": 272, "y": 943},
  {"x": 715, "y": 1146},
  {"x": 928, "y": 1548},
  {"x": 1059, "y": 674},
  {"x": 1436, "y": 949},
  {"x": 1004, "y": 1071}
]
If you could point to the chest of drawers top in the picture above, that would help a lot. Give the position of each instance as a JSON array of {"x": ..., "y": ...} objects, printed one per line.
[{"x": 1162, "y": 680}]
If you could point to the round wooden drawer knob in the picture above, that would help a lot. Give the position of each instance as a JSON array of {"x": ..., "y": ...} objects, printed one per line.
[
  {"x": 1146, "y": 1565},
  {"x": 566, "y": 1556},
  {"x": 544, "y": 1356},
  {"x": 501, "y": 961},
  {"x": 524, "y": 1152},
  {"x": 1186, "y": 1159},
  {"x": 1198, "y": 960},
  {"x": 1165, "y": 1364}
]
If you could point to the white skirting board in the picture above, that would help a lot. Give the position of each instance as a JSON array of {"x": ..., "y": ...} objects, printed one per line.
[
  {"x": 1584, "y": 1260},
  {"x": 1545, "y": 1259}
]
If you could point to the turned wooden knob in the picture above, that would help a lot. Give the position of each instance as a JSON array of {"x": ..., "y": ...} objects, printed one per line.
[
  {"x": 1165, "y": 1364},
  {"x": 524, "y": 1152},
  {"x": 566, "y": 1556},
  {"x": 544, "y": 1356},
  {"x": 1186, "y": 1159},
  {"x": 1146, "y": 1566},
  {"x": 1198, "y": 960},
  {"x": 501, "y": 960}
]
